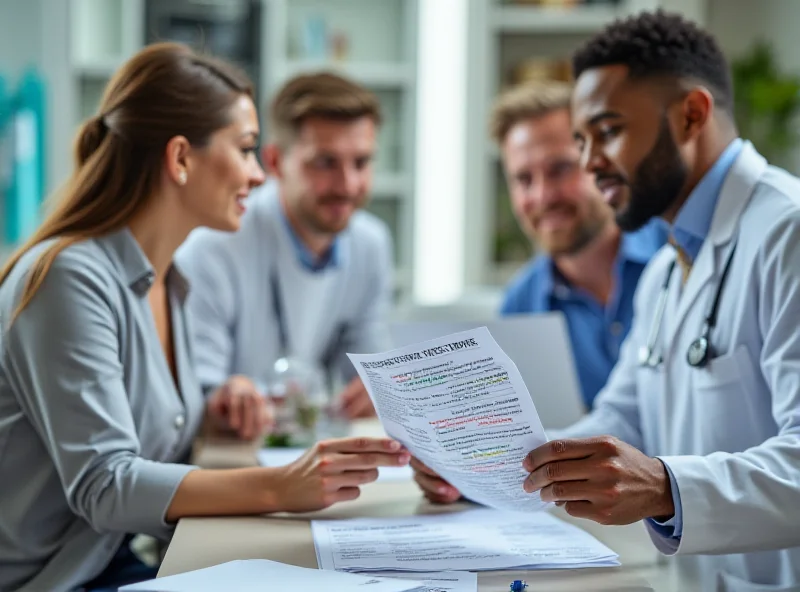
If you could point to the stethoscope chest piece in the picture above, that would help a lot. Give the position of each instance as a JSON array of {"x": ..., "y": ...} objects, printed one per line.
[{"x": 698, "y": 352}]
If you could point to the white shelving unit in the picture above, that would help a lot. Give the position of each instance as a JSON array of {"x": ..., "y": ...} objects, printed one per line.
[
  {"x": 104, "y": 33},
  {"x": 380, "y": 54},
  {"x": 376, "y": 75},
  {"x": 527, "y": 19},
  {"x": 504, "y": 34}
]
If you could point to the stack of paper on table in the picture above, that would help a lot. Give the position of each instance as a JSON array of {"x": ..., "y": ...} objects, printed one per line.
[
  {"x": 278, "y": 457},
  {"x": 474, "y": 540},
  {"x": 257, "y": 575},
  {"x": 445, "y": 581},
  {"x": 459, "y": 405}
]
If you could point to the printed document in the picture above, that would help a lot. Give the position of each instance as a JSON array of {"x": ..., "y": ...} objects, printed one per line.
[
  {"x": 460, "y": 406},
  {"x": 446, "y": 581},
  {"x": 257, "y": 575},
  {"x": 474, "y": 540}
]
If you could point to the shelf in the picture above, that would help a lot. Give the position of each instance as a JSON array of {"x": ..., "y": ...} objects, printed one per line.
[
  {"x": 390, "y": 186},
  {"x": 374, "y": 75},
  {"x": 98, "y": 69},
  {"x": 537, "y": 19},
  {"x": 373, "y": 30}
]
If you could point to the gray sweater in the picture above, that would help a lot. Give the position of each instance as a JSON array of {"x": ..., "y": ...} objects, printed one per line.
[{"x": 341, "y": 309}]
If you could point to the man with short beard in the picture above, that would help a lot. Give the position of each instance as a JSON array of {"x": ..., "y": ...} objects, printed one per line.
[
  {"x": 588, "y": 269},
  {"x": 309, "y": 274}
]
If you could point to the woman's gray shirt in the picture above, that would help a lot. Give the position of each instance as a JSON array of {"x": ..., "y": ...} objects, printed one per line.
[{"x": 91, "y": 421}]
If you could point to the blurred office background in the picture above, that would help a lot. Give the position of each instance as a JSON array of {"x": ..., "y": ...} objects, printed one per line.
[{"x": 435, "y": 64}]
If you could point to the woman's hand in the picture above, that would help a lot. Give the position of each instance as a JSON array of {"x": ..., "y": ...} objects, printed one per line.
[
  {"x": 238, "y": 407},
  {"x": 332, "y": 471},
  {"x": 436, "y": 489}
]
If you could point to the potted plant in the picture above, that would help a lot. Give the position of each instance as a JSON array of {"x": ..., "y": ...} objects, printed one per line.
[{"x": 767, "y": 104}]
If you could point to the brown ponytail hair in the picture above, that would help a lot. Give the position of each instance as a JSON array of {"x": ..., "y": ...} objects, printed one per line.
[{"x": 165, "y": 90}]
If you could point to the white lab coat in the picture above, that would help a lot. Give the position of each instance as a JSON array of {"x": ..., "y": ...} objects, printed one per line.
[{"x": 730, "y": 433}]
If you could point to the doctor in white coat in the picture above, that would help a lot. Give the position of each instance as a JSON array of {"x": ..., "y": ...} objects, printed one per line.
[{"x": 698, "y": 429}]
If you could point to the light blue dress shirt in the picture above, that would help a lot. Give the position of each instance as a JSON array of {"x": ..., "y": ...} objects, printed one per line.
[
  {"x": 689, "y": 231},
  {"x": 694, "y": 218}
]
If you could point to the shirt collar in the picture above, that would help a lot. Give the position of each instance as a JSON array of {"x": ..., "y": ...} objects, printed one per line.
[
  {"x": 126, "y": 254},
  {"x": 548, "y": 276},
  {"x": 693, "y": 222},
  {"x": 177, "y": 282},
  {"x": 304, "y": 255},
  {"x": 640, "y": 246},
  {"x": 129, "y": 258}
]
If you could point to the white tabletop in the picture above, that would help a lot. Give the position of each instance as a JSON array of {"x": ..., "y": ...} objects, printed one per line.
[{"x": 203, "y": 542}]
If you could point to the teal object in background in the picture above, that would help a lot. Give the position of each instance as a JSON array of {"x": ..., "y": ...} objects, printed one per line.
[
  {"x": 32, "y": 93},
  {"x": 6, "y": 110},
  {"x": 26, "y": 132}
]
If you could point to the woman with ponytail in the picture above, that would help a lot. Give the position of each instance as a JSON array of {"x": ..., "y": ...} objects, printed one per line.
[{"x": 98, "y": 401}]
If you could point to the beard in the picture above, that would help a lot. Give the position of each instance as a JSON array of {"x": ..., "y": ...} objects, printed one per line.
[
  {"x": 657, "y": 183},
  {"x": 577, "y": 238},
  {"x": 321, "y": 222}
]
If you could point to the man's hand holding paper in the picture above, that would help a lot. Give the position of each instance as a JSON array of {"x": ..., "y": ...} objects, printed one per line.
[{"x": 602, "y": 479}]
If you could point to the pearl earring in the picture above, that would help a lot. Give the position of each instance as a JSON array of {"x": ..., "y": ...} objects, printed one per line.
[{"x": 182, "y": 178}]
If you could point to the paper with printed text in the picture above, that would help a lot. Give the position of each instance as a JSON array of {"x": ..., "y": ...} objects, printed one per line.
[
  {"x": 460, "y": 406},
  {"x": 475, "y": 540}
]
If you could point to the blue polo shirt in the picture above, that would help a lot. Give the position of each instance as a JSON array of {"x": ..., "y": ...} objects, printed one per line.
[{"x": 596, "y": 330}]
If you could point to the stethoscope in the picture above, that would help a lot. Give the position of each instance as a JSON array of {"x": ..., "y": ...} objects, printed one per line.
[
  {"x": 278, "y": 309},
  {"x": 700, "y": 351}
]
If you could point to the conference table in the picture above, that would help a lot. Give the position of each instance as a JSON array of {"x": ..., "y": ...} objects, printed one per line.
[{"x": 203, "y": 542}]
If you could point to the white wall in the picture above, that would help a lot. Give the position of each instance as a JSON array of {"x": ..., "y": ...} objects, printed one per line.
[
  {"x": 20, "y": 35},
  {"x": 439, "y": 208},
  {"x": 695, "y": 10}
]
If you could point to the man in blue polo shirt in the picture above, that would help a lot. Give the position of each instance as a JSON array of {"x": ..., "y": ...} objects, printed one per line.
[{"x": 588, "y": 269}]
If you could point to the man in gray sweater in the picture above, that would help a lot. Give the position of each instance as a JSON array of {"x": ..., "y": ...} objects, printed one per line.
[{"x": 309, "y": 273}]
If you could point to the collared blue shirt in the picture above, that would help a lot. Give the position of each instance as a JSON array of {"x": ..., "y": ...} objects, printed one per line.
[
  {"x": 690, "y": 230},
  {"x": 596, "y": 330},
  {"x": 308, "y": 259}
]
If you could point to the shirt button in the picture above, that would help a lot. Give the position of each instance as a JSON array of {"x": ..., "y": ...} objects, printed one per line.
[
  {"x": 180, "y": 420},
  {"x": 616, "y": 328}
]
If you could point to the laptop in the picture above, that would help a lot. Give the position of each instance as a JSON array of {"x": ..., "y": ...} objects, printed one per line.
[{"x": 539, "y": 346}]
